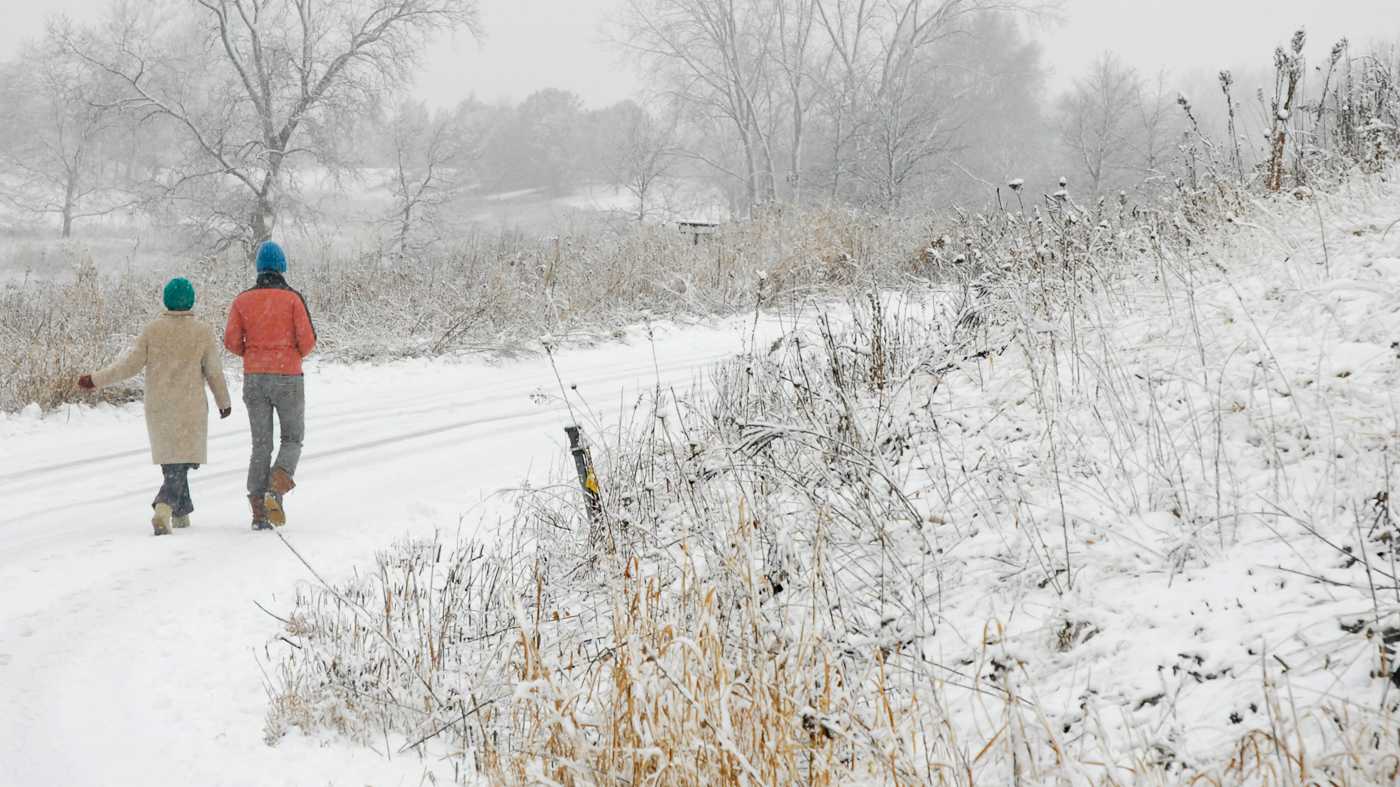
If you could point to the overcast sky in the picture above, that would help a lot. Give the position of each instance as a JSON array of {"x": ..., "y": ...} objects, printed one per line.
[{"x": 533, "y": 44}]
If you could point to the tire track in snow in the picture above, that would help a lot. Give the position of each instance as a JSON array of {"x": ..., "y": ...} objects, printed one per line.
[{"x": 342, "y": 418}]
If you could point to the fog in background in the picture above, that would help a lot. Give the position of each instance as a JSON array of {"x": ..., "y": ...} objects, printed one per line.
[{"x": 399, "y": 125}]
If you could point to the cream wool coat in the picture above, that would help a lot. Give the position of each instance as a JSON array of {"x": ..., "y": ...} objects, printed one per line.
[{"x": 179, "y": 353}]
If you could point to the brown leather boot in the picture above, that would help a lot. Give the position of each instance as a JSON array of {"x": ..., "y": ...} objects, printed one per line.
[
  {"x": 260, "y": 520},
  {"x": 279, "y": 483}
]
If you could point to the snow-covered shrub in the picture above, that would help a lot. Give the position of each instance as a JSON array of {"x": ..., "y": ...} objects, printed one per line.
[
  {"x": 490, "y": 294},
  {"x": 689, "y": 635},
  {"x": 397, "y": 648},
  {"x": 51, "y": 332},
  {"x": 1110, "y": 504}
]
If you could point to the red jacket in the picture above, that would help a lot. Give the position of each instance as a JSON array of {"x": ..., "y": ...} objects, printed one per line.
[{"x": 270, "y": 328}]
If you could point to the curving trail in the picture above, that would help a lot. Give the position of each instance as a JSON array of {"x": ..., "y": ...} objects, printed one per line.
[{"x": 129, "y": 659}]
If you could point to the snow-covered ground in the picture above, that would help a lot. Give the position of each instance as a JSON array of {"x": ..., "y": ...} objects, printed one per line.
[
  {"x": 129, "y": 659},
  {"x": 1169, "y": 528},
  {"x": 1173, "y": 518}
]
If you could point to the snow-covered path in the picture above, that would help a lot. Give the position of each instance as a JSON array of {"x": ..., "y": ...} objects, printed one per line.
[{"x": 127, "y": 659}]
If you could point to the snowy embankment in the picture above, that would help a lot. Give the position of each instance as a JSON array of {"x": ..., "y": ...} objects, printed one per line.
[
  {"x": 1125, "y": 525},
  {"x": 1177, "y": 557}
]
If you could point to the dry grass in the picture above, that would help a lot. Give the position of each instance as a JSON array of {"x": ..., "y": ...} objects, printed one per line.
[
  {"x": 494, "y": 294},
  {"x": 758, "y": 600},
  {"x": 690, "y": 634},
  {"x": 53, "y": 332}
]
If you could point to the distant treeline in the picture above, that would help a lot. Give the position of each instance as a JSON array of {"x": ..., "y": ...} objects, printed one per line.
[{"x": 227, "y": 124}]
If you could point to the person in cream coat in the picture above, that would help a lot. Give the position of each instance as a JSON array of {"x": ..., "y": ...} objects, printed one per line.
[{"x": 180, "y": 355}]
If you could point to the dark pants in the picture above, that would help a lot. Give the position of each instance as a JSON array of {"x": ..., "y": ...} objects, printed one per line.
[
  {"x": 175, "y": 492},
  {"x": 264, "y": 395}
]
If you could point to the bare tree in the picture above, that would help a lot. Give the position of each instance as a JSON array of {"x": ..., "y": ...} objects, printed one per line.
[
  {"x": 866, "y": 82},
  {"x": 61, "y": 115},
  {"x": 797, "y": 55},
  {"x": 713, "y": 58},
  {"x": 1157, "y": 124},
  {"x": 427, "y": 155},
  {"x": 848, "y": 24},
  {"x": 908, "y": 125},
  {"x": 905, "y": 81},
  {"x": 256, "y": 85},
  {"x": 1095, "y": 118},
  {"x": 639, "y": 152}
]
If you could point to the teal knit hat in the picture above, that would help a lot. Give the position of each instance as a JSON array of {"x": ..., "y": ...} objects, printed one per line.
[
  {"x": 179, "y": 295},
  {"x": 271, "y": 257}
]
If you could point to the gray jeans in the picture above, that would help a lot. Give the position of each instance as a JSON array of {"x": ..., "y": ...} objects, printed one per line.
[{"x": 263, "y": 394}]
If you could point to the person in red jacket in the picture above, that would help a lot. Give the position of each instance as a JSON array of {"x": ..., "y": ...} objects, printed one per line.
[{"x": 270, "y": 328}]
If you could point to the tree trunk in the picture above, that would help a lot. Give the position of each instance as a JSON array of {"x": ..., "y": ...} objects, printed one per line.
[
  {"x": 795, "y": 169},
  {"x": 836, "y": 158},
  {"x": 264, "y": 218},
  {"x": 261, "y": 224},
  {"x": 404, "y": 225},
  {"x": 769, "y": 174},
  {"x": 750, "y": 173},
  {"x": 70, "y": 189}
]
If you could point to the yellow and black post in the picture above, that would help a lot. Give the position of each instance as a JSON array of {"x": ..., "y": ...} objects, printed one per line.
[{"x": 583, "y": 462}]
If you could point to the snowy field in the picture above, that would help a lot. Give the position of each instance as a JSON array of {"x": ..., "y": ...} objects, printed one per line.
[
  {"x": 1165, "y": 527},
  {"x": 130, "y": 659}
]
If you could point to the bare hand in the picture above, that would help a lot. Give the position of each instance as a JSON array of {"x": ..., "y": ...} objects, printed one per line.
[
  {"x": 224, "y": 412},
  {"x": 85, "y": 382}
]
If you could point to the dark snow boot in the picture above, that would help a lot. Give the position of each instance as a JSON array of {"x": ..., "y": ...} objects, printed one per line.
[
  {"x": 161, "y": 520},
  {"x": 260, "y": 521},
  {"x": 279, "y": 484}
]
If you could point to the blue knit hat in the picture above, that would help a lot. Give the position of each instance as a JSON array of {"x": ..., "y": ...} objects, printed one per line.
[
  {"x": 179, "y": 295},
  {"x": 271, "y": 258}
]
